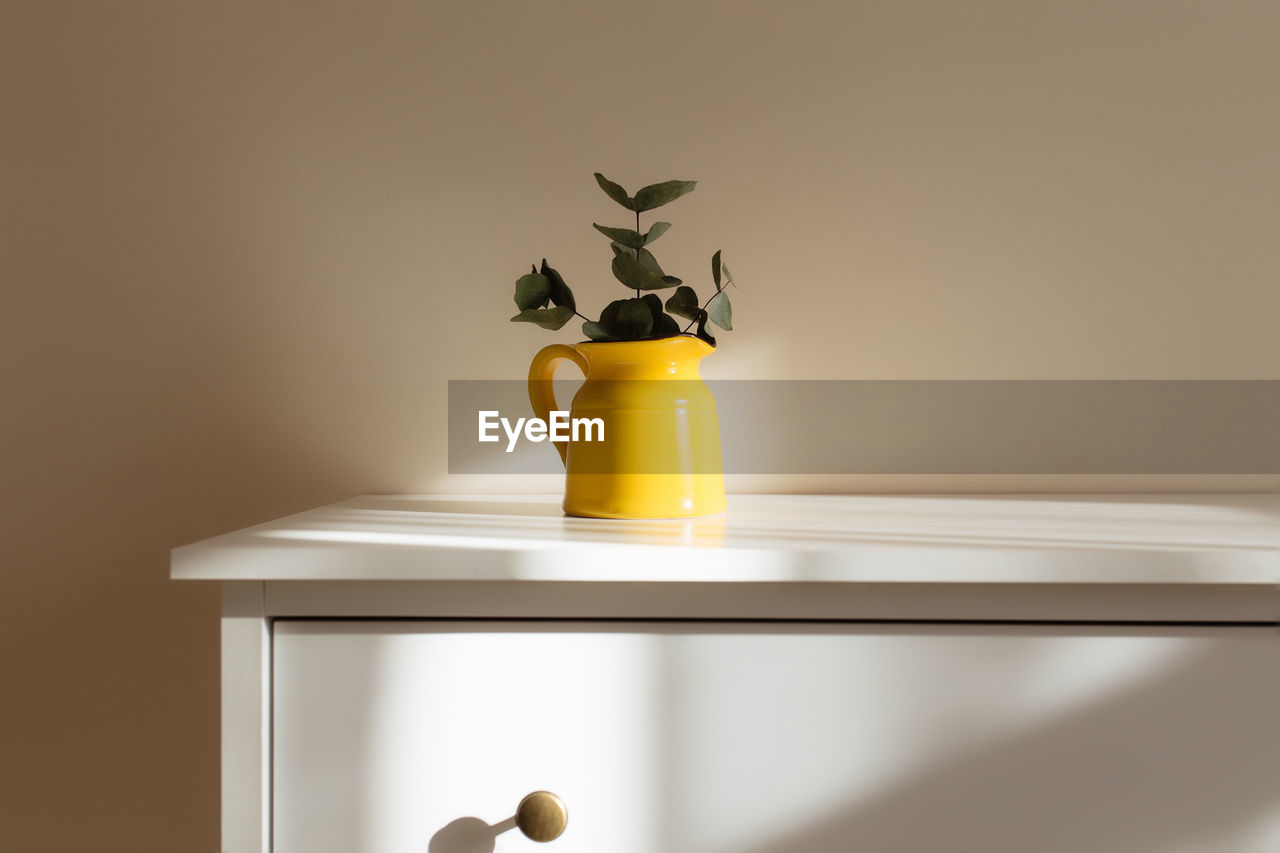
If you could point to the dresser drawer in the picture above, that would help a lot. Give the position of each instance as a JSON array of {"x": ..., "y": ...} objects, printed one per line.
[{"x": 409, "y": 737}]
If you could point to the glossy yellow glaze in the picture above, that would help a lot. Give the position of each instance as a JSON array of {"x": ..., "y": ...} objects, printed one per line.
[{"x": 661, "y": 453}]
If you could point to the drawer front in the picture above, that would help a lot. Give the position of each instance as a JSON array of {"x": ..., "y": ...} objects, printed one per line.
[{"x": 421, "y": 737}]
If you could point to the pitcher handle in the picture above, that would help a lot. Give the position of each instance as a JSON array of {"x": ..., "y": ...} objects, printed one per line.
[{"x": 541, "y": 393}]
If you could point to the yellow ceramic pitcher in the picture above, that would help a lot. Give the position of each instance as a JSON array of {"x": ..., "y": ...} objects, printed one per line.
[{"x": 660, "y": 453}]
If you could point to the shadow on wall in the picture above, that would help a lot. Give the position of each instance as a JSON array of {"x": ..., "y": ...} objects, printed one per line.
[
  {"x": 111, "y": 670},
  {"x": 180, "y": 357},
  {"x": 159, "y": 388}
]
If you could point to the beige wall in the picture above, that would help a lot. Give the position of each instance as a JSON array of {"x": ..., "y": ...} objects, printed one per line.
[{"x": 244, "y": 244}]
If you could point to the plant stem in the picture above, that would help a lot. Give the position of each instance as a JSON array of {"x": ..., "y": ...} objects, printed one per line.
[
  {"x": 637, "y": 250},
  {"x": 704, "y": 308}
]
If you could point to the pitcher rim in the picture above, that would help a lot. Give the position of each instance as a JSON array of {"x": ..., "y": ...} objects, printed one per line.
[{"x": 649, "y": 340}]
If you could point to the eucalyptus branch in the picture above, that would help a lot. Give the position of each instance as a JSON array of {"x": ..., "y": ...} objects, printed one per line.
[
  {"x": 637, "y": 231},
  {"x": 704, "y": 308},
  {"x": 545, "y": 299}
]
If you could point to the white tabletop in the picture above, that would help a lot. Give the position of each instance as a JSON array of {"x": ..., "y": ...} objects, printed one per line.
[{"x": 1022, "y": 539}]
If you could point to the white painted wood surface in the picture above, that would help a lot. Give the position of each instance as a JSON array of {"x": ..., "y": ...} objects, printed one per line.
[
  {"x": 1114, "y": 539},
  {"x": 1008, "y": 602},
  {"x": 395, "y": 737},
  {"x": 246, "y": 720}
]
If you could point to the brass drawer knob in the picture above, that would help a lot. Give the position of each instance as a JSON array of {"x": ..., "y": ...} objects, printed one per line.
[{"x": 542, "y": 816}]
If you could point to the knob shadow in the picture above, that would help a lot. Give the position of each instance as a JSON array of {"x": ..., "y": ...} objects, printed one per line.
[{"x": 469, "y": 835}]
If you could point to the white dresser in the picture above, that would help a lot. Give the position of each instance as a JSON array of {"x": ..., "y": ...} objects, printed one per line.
[{"x": 998, "y": 674}]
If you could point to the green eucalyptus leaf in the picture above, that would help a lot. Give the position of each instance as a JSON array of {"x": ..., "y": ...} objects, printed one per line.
[
  {"x": 663, "y": 323},
  {"x": 654, "y": 301},
  {"x": 560, "y": 292},
  {"x": 625, "y": 236},
  {"x": 628, "y": 270},
  {"x": 615, "y": 192},
  {"x": 619, "y": 249},
  {"x": 627, "y": 319},
  {"x": 532, "y": 291},
  {"x": 596, "y": 332},
  {"x": 656, "y": 230},
  {"x": 656, "y": 195},
  {"x": 671, "y": 281},
  {"x": 727, "y": 277},
  {"x": 649, "y": 262},
  {"x": 720, "y": 311},
  {"x": 547, "y": 318},
  {"x": 684, "y": 303},
  {"x": 665, "y": 327},
  {"x": 715, "y": 268}
]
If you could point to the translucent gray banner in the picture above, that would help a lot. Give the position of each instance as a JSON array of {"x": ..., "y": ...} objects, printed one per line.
[{"x": 919, "y": 427}]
